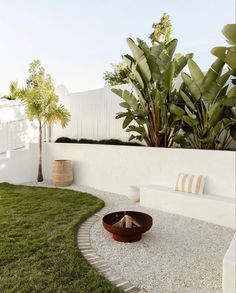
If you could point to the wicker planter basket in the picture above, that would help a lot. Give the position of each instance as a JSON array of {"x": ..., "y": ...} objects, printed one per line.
[{"x": 62, "y": 174}]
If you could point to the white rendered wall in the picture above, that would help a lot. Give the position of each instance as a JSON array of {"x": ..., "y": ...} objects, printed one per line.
[
  {"x": 15, "y": 129},
  {"x": 19, "y": 166},
  {"x": 115, "y": 168}
]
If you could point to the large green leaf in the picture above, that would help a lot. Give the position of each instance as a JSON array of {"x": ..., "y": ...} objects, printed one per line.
[
  {"x": 191, "y": 122},
  {"x": 213, "y": 73},
  {"x": 232, "y": 93},
  {"x": 215, "y": 113},
  {"x": 176, "y": 110},
  {"x": 130, "y": 99},
  {"x": 140, "y": 59},
  {"x": 125, "y": 105},
  {"x": 171, "y": 47},
  {"x": 230, "y": 57},
  {"x": 118, "y": 92},
  {"x": 219, "y": 52},
  {"x": 229, "y": 31},
  {"x": 156, "y": 50},
  {"x": 181, "y": 62},
  {"x": 121, "y": 115},
  {"x": 137, "y": 75},
  {"x": 169, "y": 76},
  {"x": 187, "y": 100},
  {"x": 223, "y": 78},
  {"x": 128, "y": 60},
  {"x": 191, "y": 85},
  {"x": 196, "y": 72},
  {"x": 127, "y": 121}
]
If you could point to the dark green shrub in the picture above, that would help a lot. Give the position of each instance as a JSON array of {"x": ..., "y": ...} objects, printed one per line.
[
  {"x": 93, "y": 141},
  {"x": 66, "y": 140}
]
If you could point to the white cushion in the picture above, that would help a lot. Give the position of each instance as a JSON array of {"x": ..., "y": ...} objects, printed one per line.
[{"x": 190, "y": 183}]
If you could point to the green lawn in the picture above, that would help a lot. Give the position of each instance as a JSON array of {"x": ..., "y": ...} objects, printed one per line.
[{"x": 38, "y": 249}]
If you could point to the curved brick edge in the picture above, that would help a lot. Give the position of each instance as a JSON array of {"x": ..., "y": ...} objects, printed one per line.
[{"x": 97, "y": 261}]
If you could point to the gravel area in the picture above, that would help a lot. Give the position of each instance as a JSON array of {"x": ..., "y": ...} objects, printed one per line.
[{"x": 178, "y": 254}]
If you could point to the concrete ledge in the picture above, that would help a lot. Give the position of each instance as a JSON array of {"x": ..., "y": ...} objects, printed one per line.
[
  {"x": 229, "y": 268},
  {"x": 214, "y": 209}
]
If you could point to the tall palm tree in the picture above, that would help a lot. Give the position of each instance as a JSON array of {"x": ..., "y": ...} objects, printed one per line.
[{"x": 41, "y": 104}]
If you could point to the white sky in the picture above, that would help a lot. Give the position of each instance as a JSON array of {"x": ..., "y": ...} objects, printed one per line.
[{"x": 77, "y": 40}]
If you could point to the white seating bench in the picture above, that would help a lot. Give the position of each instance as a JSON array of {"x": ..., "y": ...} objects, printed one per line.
[
  {"x": 229, "y": 268},
  {"x": 210, "y": 208}
]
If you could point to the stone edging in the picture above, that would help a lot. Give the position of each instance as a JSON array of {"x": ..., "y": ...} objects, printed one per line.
[{"x": 97, "y": 261}]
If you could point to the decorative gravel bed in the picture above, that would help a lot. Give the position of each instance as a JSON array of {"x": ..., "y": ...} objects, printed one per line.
[{"x": 178, "y": 254}]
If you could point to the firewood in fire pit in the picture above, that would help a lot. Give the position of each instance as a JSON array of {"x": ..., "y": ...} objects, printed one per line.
[
  {"x": 120, "y": 223},
  {"x": 127, "y": 222}
]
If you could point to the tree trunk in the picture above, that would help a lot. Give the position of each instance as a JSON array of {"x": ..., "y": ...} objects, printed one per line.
[{"x": 40, "y": 172}]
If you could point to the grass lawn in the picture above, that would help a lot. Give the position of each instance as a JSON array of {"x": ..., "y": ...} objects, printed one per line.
[{"x": 38, "y": 249}]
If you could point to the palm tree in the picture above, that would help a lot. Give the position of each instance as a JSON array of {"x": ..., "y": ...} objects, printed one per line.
[{"x": 41, "y": 104}]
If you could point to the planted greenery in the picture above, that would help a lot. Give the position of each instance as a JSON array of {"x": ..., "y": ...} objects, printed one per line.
[
  {"x": 204, "y": 107},
  {"x": 147, "y": 106},
  {"x": 94, "y": 141},
  {"x": 208, "y": 108},
  {"x": 201, "y": 114},
  {"x": 228, "y": 56}
]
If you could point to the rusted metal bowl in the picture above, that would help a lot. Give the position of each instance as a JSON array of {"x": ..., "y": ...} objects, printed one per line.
[{"x": 127, "y": 234}]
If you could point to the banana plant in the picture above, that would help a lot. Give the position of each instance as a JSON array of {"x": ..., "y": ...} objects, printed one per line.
[
  {"x": 228, "y": 55},
  {"x": 206, "y": 107},
  {"x": 147, "y": 113}
]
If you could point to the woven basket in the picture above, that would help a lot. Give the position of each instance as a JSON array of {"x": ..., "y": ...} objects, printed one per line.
[{"x": 62, "y": 174}]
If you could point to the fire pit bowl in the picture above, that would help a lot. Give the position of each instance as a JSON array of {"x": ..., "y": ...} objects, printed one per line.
[{"x": 127, "y": 234}]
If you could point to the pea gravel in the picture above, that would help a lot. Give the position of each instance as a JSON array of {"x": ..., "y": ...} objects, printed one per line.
[{"x": 178, "y": 254}]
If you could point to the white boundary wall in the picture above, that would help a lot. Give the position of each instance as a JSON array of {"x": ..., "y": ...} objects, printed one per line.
[
  {"x": 116, "y": 168},
  {"x": 20, "y": 166},
  {"x": 15, "y": 129}
]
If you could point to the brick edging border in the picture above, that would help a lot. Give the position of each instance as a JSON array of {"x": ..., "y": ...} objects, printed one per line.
[{"x": 97, "y": 261}]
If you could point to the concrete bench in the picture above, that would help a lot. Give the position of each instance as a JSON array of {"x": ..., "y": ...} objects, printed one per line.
[
  {"x": 210, "y": 208},
  {"x": 229, "y": 268}
]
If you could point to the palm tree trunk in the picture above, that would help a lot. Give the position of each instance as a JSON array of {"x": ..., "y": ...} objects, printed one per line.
[{"x": 40, "y": 172}]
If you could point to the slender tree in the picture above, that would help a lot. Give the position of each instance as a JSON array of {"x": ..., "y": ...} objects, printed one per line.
[{"x": 41, "y": 103}]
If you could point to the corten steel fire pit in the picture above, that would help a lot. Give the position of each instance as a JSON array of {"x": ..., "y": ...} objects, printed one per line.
[{"x": 124, "y": 234}]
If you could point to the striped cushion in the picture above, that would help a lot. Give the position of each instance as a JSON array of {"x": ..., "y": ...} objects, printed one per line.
[{"x": 190, "y": 183}]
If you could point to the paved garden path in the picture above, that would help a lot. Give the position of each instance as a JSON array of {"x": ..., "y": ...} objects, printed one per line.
[{"x": 178, "y": 254}]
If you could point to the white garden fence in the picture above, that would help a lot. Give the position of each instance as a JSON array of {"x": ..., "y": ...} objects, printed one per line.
[
  {"x": 92, "y": 115},
  {"x": 15, "y": 130}
]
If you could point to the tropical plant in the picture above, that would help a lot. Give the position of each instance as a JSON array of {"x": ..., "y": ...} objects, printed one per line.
[
  {"x": 205, "y": 107},
  {"x": 41, "y": 103},
  {"x": 147, "y": 106},
  {"x": 228, "y": 55},
  {"x": 121, "y": 71},
  {"x": 119, "y": 75}
]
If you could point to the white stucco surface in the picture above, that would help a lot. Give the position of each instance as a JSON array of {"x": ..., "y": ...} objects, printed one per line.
[{"x": 116, "y": 168}]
